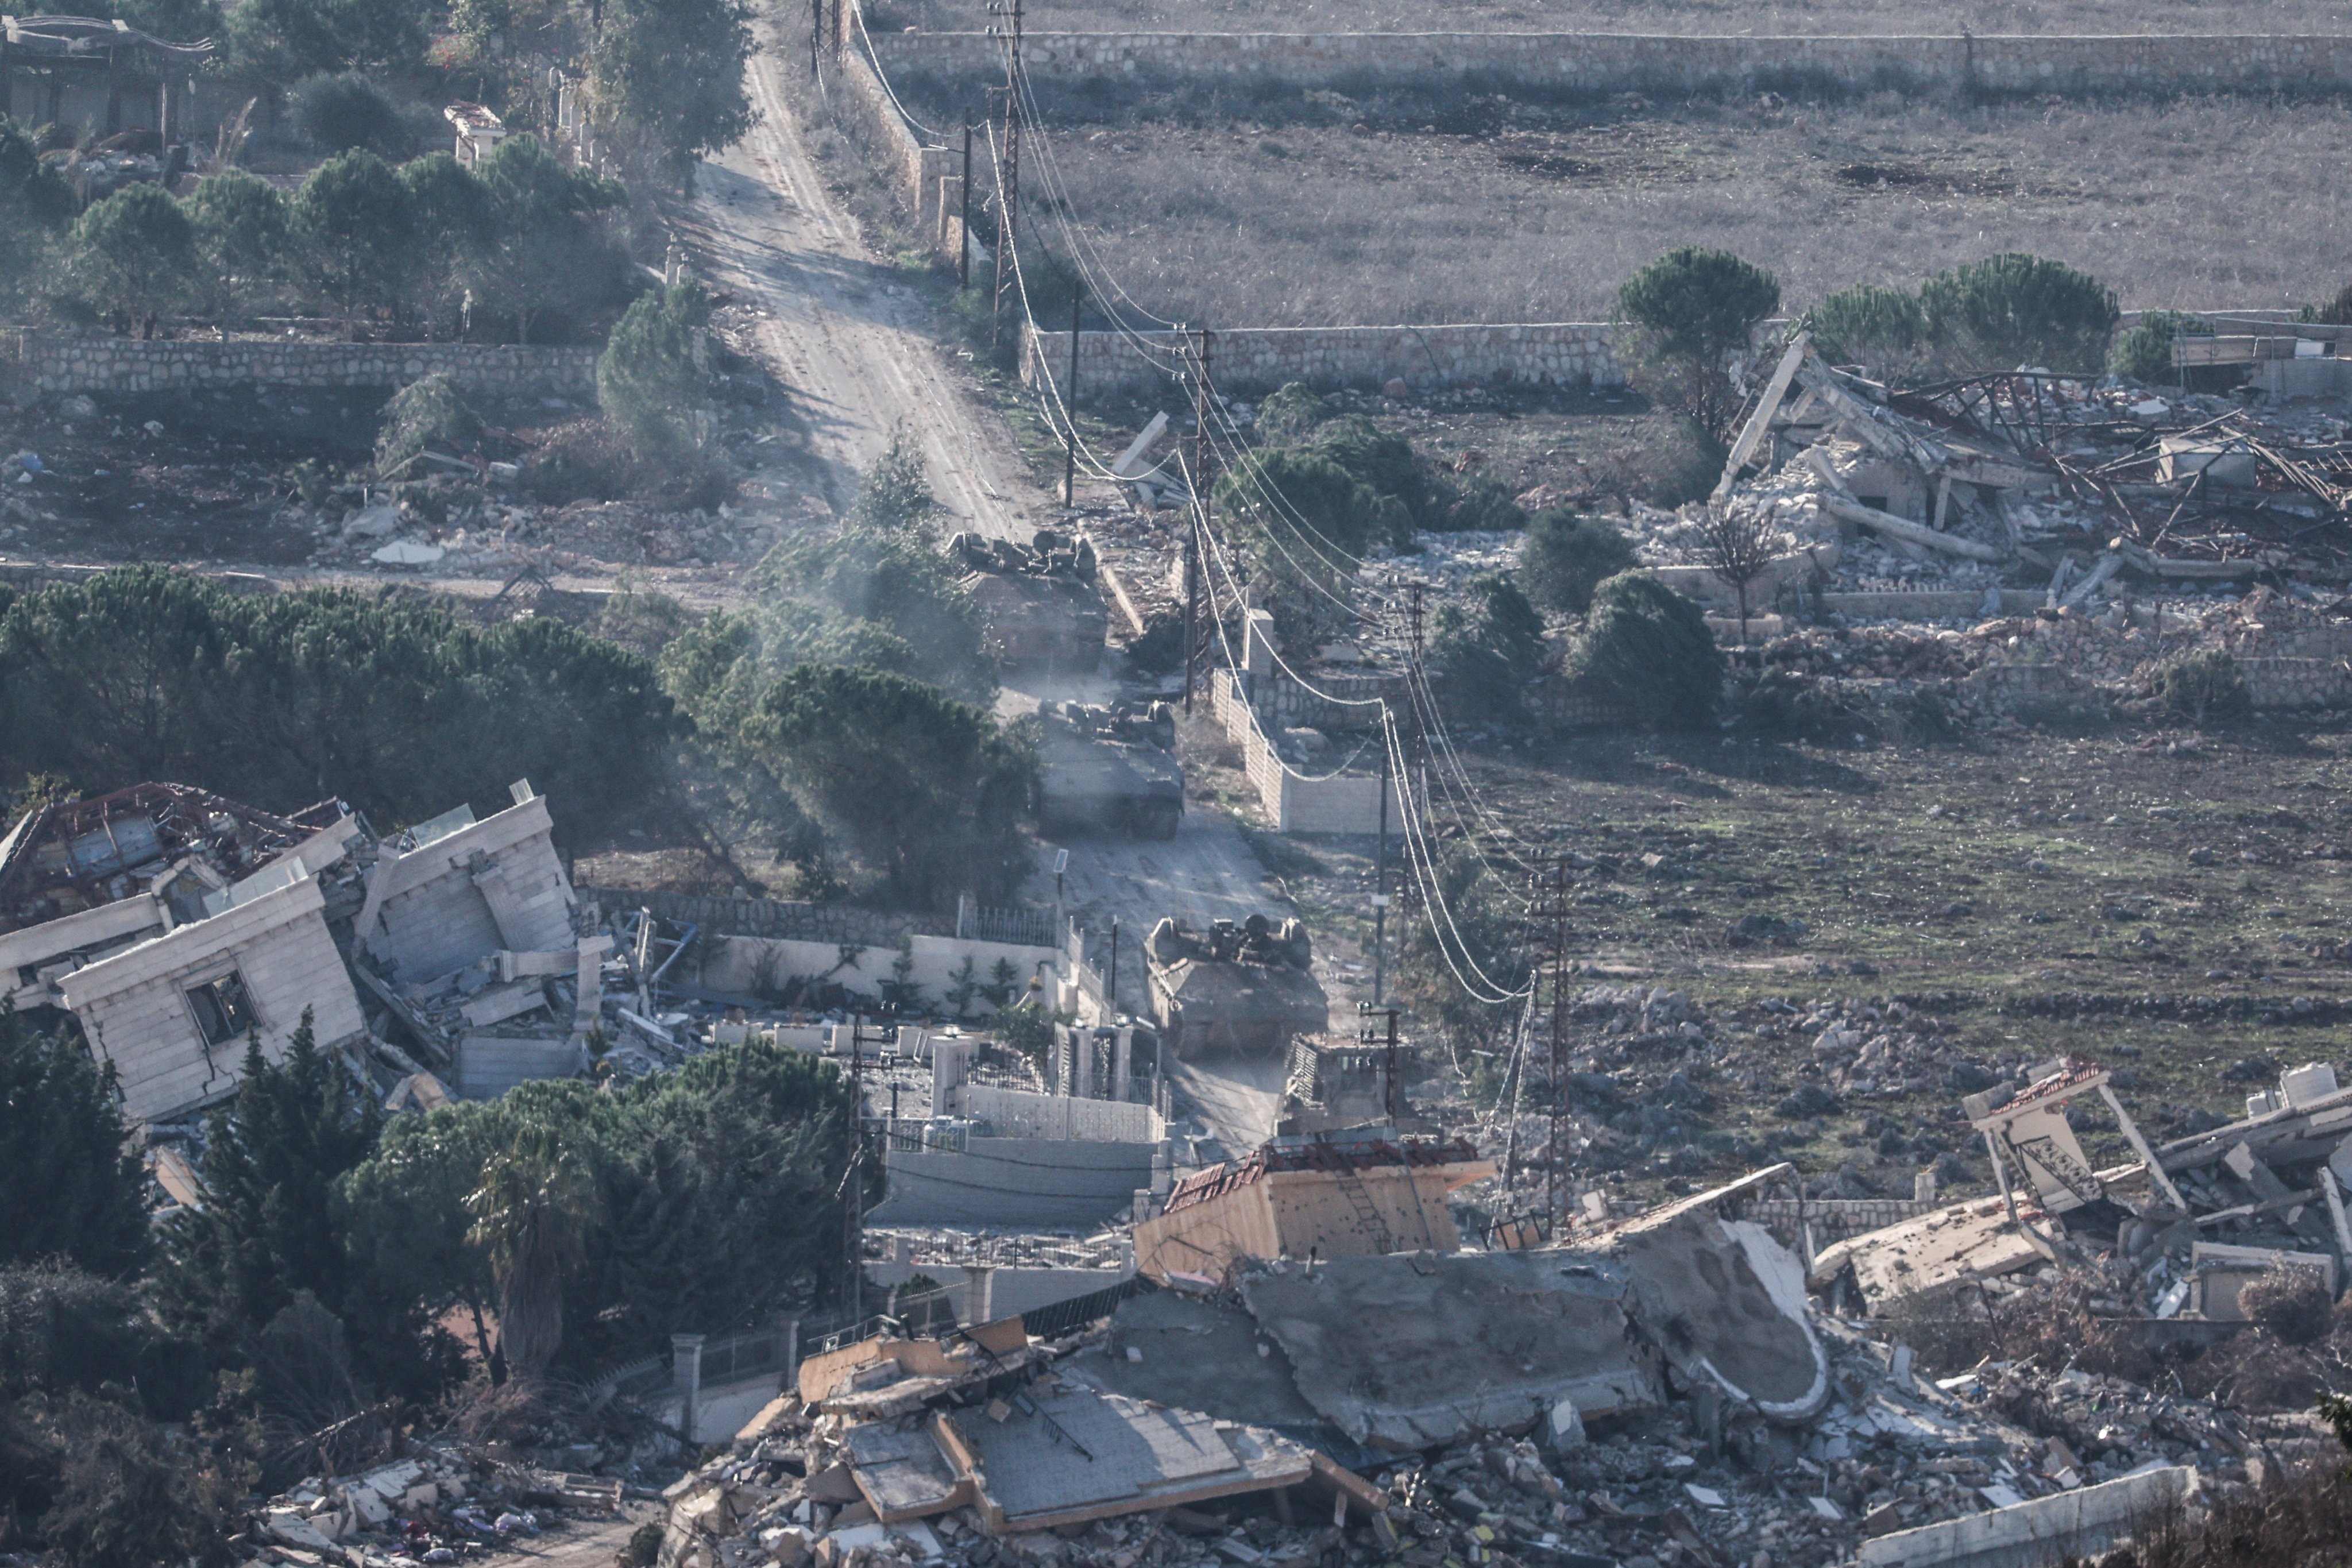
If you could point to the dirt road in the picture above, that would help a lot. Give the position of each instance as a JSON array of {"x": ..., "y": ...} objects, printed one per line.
[{"x": 844, "y": 332}]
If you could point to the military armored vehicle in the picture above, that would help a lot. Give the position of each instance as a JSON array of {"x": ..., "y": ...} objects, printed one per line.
[
  {"x": 1247, "y": 988},
  {"x": 1110, "y": 770},
  {"x": 1039, "y": 599}
]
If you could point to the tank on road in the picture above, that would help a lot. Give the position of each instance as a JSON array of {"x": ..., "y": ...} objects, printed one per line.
[
  {"x": 1040, "y": 599},
  {"x": 1248, "y": 989},
  {"x": 1110, "y": 770}
]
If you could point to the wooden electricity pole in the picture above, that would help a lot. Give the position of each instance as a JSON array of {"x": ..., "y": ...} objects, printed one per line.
[
  {"x": 963, "y": 216},
  {"x": 1008, "y": 168},
  {"x": 1555, "y": 1153}
]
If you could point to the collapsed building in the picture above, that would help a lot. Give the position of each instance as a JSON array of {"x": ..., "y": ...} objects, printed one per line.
[
  {"x": 172, "y": 925},
  {"x": 1660, "y": 1388},
  {"x": 175, "y": 926},
  {"x": 2189, "y": 1223}
]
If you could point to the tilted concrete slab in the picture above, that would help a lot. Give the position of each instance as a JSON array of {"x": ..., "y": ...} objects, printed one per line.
[
  {"x": 1726, "y": 1303},
  {"x": 1410, "y": 1351},
  {"x": 1064, "y": 1455},
  {"x": 1959, "y": 1245},
  {"x": 1197, "y": 1355}
]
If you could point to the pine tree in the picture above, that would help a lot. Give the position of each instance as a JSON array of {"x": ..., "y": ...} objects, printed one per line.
[
  {"x": 71, "y": 1184},
  {"x": 267, "y": 1229}
]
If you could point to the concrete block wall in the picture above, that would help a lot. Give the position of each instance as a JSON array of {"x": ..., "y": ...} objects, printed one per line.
[
  {"x": 1017, "y": 1113},
  {"x": 134, "y": 1010},
  {"x": 1034, "y": 1181},
  {"x": 48, "y": 362},
  {"x": 761, "y": 966},
  {"x": 1254, "y": 360},
  {"x": 1656, "y": 64}
]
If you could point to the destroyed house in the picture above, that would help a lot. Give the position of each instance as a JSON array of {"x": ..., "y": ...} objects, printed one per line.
[
  {"x": 174, "y": 924},
  {"x": 1348, "y": 1195},
  {"x": 467, "y": 937}
]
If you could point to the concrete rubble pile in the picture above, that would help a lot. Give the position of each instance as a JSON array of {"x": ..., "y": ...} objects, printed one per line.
[
  {"x": 1978, "y": 483},
  {"x": 1660, "y": 1395},
  {"x": 436, "y": 1505},
  {"x": 2161, "y": 1246}
]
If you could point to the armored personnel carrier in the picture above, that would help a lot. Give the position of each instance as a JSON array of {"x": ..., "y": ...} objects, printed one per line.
[
  {"x": 1246, "y": 988},
  {"x": 1040, "y": 599},
  {"x": 1110, "y": 770}
]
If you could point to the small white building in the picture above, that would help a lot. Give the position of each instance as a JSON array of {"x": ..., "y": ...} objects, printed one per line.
[{"x": 479, "y": 131}]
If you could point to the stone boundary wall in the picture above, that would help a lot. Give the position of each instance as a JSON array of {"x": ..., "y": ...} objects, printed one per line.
[
  {"x": 1603, "y": 63},
  {"x": 50, "y": 363},
  {"x": 2297, "y": 682},
  {"x": 1259, "y": 359}
]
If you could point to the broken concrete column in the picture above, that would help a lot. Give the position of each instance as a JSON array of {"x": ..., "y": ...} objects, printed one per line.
[
  {"x": 686, "y": 1373},
  {"x": 979, "y": 1293}
]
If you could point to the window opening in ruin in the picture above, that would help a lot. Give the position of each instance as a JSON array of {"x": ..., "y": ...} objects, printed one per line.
[{"x": 223, "y": 1009}]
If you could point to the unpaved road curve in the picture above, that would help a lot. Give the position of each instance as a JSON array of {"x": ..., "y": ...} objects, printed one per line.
[
  {"x": 843, "y": 333},
  {"x": 848, "y": 339}
]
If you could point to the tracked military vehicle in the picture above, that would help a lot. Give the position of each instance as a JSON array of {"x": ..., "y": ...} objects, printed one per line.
[
  {"x": 1040, "y": 600},
  {"x": 1248, "y": 989},
  {"x": 1110, "y": 770}
]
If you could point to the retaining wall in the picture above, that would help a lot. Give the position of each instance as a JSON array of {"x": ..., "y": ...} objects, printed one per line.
[
  {"x": 1602, "y": 63},
  {"x": 47, "y": 363},
  {"x": 1259, "y": 359}
]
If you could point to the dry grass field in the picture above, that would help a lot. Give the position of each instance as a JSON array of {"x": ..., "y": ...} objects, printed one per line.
[
  {"x": 1315, "y": 210},
  {"x": 1679, "y": 17}
]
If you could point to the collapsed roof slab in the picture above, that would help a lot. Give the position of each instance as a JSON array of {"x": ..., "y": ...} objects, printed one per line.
[
  {"x": 1961, "y": 1244},
  {"x": 1057, "y": 1453},
  {"x": 1725, "y": 1302},
  {"x": 1412, "y": 1350},
  {"x": 1173, "y": 1349}
]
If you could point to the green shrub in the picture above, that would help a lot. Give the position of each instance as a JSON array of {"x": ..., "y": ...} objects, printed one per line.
[
  {"x": 1567, "y": 555},
  {"x": 2204, "y": 683},
  {"x": 651, "y": 378},
  {"x": 1385, "y": 463},
  {"x": 1289, "y": 416},
  {"x": 427, "y": 413},
  {"x": 1684, "y": 462},
  {"x": 2145, "y": 353},
  {"x": 339, "y": 113},
  {"x": 2014, "y": 310},
  {"x": 1783, "y": 705},
  {"x": 1482, "y": 506},
  {"x": 1488, "y": 646},
  {"x": 1869, "y": 325},
  {"x": 1648, "y": 649}
]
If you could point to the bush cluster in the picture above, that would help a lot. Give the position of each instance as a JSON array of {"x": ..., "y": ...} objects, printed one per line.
[{"x": 516, "y": 246}]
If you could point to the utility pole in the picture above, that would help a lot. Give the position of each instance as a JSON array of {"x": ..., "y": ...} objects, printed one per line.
[
  {"x": 1392, "y": 1075},
  {"x": 1555, "y": 1170},
  {"x": 1008, "y": 168},
  {"x": 1381, "y": 876},
  {"x": 817, "y": 33},
  {"x": 1192, "y": 596},
  {"x": 1113, "y": 982},
  {"x": 1202, "y": 477},
  {"x": 1419, "y": 759},
  {"x": 1070, "y": 403},
  {"x": 853, "y": 1184},
  {"x": 963, "y": 218}
]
